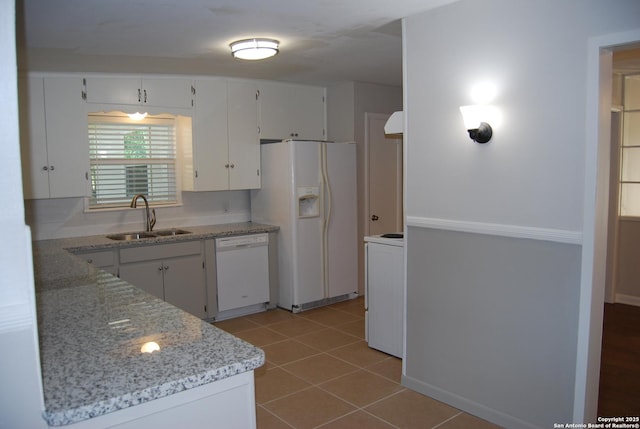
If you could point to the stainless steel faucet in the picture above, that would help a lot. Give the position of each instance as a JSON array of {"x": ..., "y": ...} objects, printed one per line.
[{"x": 150, "y": 216}]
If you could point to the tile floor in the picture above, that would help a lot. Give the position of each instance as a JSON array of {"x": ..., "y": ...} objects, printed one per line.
[{"x": 320, "y": 373}]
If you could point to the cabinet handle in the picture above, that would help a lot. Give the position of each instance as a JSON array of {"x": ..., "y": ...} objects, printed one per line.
[
  {"x": 145, "y": 95},
  {"x": 232, "y": 165},
  {"x": 51, "y": 168},
  {"x": 139, "y": 95},
  {"x": 226, "y": 166},
  {"x": 45, "y": 168},
  {"x": 160, "y": 268},
  {"x": 166, "y": 267}
]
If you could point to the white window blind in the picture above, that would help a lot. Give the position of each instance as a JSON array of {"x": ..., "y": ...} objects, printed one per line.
[{"x": 130, "y": 157}]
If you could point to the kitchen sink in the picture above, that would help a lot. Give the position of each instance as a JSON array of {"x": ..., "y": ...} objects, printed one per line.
[
  {"x": 170, "y": 232},
  {"x": 130, "y": 236}
]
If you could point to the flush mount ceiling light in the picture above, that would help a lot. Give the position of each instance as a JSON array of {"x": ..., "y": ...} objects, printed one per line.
[{"x": 254, "y": 49}]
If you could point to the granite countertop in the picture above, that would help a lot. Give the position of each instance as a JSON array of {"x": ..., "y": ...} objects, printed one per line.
[{"x": 92, "y": 326}]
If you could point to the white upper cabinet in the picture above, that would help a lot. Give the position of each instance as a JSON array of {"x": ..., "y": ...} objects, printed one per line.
[
  {"x": 289, "y": 111},
  {"x": 136, "y": 91},
  {"x": 54, "y": 146},
  {"x": 244, "y": 142},
  {"x": 225, "y": 152}
]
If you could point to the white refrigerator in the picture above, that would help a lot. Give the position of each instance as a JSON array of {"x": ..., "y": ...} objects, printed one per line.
[{"x": 309, "y": 191}]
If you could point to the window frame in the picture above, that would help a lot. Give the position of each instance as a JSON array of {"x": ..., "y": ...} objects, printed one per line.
[{"x": 122, "y": 117}]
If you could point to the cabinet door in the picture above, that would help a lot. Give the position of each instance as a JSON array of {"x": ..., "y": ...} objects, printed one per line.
[
  {"x": 307, "y": 116},
  {"x": 114, "y": 90},
  {"x": 167, "y": 92},
  {"x": 105, "y": 260},
  {"x": 67, "y": 141},
  {"x": 146, "y": 275},
  {"x": 244, "y": 143},
  {"x": 291, "y": 112},
  {"x": 209, "y": 138},
  {"x": 184, "y": 284},
  {"x": 33, "y": 139}
]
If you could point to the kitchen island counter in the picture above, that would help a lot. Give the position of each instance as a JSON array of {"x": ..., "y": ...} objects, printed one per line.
[{"x": 92, "y": 327}]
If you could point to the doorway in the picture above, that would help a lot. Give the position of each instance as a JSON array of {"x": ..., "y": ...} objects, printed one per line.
[
  {"x": 383, "y": 177},
  {"x": 596, "y": 201},
  {"x": 619, "y": 383}
]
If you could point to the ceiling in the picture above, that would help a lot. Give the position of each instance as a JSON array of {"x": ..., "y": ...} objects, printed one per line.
[{"x": 322, "y": 41}]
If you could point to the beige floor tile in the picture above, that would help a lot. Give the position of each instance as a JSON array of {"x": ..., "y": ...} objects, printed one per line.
[
  {"x": 266, "y": 420},
  {"x": 354, "y": 306},
  {"x": 260, "y": 337},
  {"x": 295, "y": 327},
  {"x": 327, "y": 339},
  {"x": 355, "y": 328},
  {"x": 275, "y": 383},
  {"x": 309, "y": 408},
  {"x": 467, "y": 421},
  {"x": 319, "y": 368},
  {"x": 357, "y": 420},
  {"x": 287, "y": 351},
  {"x": 359, "y": 354},
  {"x": 271, "y": 316},
  {"x": 329, "y": 317},
  {"x": 235, "y": 325},
  {"x": 361, "y": 388},
  {"x": 409, "y": 410},
  {"x": 390, "y": 368}
]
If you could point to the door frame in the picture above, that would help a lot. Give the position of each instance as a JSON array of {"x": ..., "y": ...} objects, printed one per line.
[
  {"x": 595, "y": 214},
  {"x": 400, "y": 192}
]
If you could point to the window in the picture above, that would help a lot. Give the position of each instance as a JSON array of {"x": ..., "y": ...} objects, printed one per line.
[
  {"x": 630, "y": 150},
  {"x": 130, "y": 157}
]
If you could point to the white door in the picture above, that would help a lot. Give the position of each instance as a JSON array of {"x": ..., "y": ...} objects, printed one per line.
[{"x": 384, "y": 177}]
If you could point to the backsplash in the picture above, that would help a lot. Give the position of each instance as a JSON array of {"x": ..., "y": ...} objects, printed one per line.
[{"x": 65, "y": 217}]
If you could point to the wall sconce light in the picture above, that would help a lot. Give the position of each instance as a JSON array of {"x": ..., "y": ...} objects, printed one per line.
[
  {"x": 476, "y": 120},
  {"x": 254, "y": 49}
]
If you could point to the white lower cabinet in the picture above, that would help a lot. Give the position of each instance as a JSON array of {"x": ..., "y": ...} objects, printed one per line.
[
  {"x": 172, "y": 272},
  {"x": 105, "y": 260}
]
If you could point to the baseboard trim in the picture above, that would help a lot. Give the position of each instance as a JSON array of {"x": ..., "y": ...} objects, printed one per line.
[
  {"x": 466, "y": 405},
  {"x": 628, "y": 299},
  {"x": 514, "y": 231}
]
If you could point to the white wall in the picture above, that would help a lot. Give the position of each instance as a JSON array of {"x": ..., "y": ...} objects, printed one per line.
[
  {"x": 527, "y": 182},
  {"x": 21, "y": 400},
  {"x": 66, "y": 217}
]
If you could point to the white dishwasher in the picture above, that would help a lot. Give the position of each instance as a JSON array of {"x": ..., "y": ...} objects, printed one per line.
[{"x": 242, "y": 264}]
